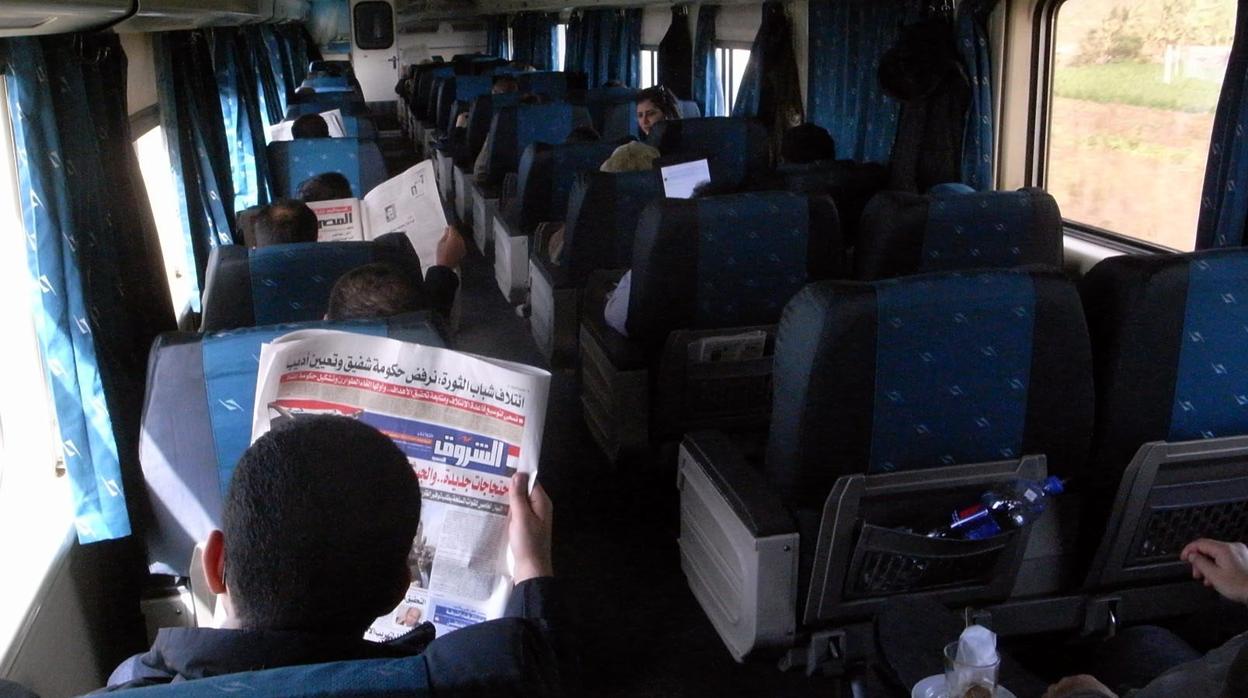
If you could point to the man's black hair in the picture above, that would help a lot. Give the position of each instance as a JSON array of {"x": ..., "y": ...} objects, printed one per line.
[
  {"x": 325, "y": 186},
  {"x": 375, "y": 290},
  {"x": 583, "y": 134},
  {"x": 285, "y": 221},
  {"x": 319, "y": 518},
  {"x": 309, "y": 126},
  {"x": 807, "y": 143},
  {"x": 663, "y": 99}
]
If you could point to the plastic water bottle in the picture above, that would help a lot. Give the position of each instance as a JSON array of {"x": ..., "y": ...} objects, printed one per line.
[{"x": 997, "y": 511}]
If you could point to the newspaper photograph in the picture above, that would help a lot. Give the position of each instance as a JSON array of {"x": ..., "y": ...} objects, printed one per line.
[
  {"x": 465, "y": 423},
  {"x": 407, "y": 203}
]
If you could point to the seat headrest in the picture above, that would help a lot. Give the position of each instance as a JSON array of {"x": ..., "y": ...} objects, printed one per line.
[
  {"x": 736, "y": 148},
  {"x": 515, "y": 128},
  {"x": 603, "y": 210},
  {"x": 1168, "y": 340},
  {"x": 197, "y": 422},
  {"x": 724, "y": 261},
  {"x": 902, "y": 233},
  {"x": 357, "y": 159},
  {"x": 550, "y": 83},
  {"x": 926, "y": 371},
  {"x": 545, "y": 176},
  {"x": 288, "y": 283}
]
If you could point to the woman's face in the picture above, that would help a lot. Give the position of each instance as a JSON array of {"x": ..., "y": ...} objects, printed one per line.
[{"x": 648, "y": 114}]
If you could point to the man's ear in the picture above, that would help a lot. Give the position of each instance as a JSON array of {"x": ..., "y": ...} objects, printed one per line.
[{"x": 214, "y": 562}]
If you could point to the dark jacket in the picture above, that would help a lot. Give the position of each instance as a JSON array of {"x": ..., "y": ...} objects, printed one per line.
[{"x": 522, "y": 648}]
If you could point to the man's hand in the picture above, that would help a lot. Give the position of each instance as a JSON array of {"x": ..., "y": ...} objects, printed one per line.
[
  {"x": 461, "y": 121},
  {"x": 528, "y": 529},
  {"x": 1222, "y": 566},
  {"x": 451, "y": 248},
  {"x": 1074, "y": 684}
]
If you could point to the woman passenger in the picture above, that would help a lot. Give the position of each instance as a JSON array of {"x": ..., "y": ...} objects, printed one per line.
[{"x": 655, "y": 104}]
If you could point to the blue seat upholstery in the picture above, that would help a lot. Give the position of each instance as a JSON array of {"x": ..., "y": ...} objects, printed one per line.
[
  {"x": 603, "y": 210},
  {"x": 902, "y": 233},
  {"x": 328, "y": 83},
  {"x": 359, "y": 160},
  {"x": 1167, "y": 334},
  {"x": 348, "y": 107},
  {"x": 288, "y": 283},
  {"x": 343, "y": 67},
  {"x": 425, "y": 82},
  {"x": 516, "y": 128},
  {"x": 197, "y": 422},
  {"x": 850, "y": 184},
  {"x": 360, "y": 127},
  {"x": 600, "y": 99},
  {"x": 619, "y": 117},
  {"x": 737, "y": 149},
  {"x": 545, "y": 177},
  {"x": 462, "y": 88},
  {"x": 928, "y": 371},
  {"x": 551, "y": 83},
  {"x": 727, "y": 261},
  {"x": 480, "y": 118}
]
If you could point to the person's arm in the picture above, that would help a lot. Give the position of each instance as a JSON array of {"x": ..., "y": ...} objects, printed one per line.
[
  {"x": 616, "y": 310},
  {"x": 481, "y": 168},
  {"x": 441, "y": 281},
  {"x": 1221, "y": 566}
]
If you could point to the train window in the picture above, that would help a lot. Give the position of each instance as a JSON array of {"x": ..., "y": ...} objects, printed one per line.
[
  {"x": 1135, "y": 86},
  {"x": 374, "y": 26},
  {"x": 162, "y": 193},
  {"x": 36, "y": 519},
  {"x": 732, "y": 62},
  {"x": 561, "y": 46},
  {"x": 649, "y": 67}
]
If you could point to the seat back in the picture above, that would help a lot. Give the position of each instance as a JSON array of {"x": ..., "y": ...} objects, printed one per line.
[
  {"x": 424, "y": 87},
  {"x": 725, "y": 261},
  {"x": 619, "y": 116},
  {"x": 553, "y": 84},
  {"x": 480, "y": 118},
  {"x": 928, "y": 371},
  {"x": 603, "y": 210},
  {"x": 197, "y": 422},
  {"x": 361, "y": 127},
  {"x": 516, "y": 128},
  {"x": 902, "y": 233},
  {"x": 288, "y": 283},
  {"x": 348, "y": 107},
  {"x": 736, "y": 148},
  {"x": 459, "y": 88},
  {"x": 545, "y": 178},
  {"x": 328, "y": 83},
  {"x": 599, "y": 100},
  {"x": 850, "y": 184},
  {"x": 359, "y": 160}
]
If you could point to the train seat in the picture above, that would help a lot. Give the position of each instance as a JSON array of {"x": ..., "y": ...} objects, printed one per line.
[
  {"x": 543, "y": 183},
  {"x": 902, "y": 233},
  {"x": 737, "y": 149},
  {"x": 463, "y": 88},
  {"x": 600, "y": 99},
  {"x": 513, "y": 130},
  {"x": 619, "y": 117},
  {"x": 480, "y": 118},
  {"x": 328, "y": 83},
  {"x": 894, "y": 403},
  {"x": 708, "y": 276},
  {"x": 357, "y": 159},
  {"x": 602, "y": 213},
  {"x": 196, "y": 423},
  {"x": 288, "y": 283},
  {"x": 553, "y": 84},
  {"x": 347, "y": 107},
  {"x": 1171, "y": 433},
  {"x": 850, "y": 184}
]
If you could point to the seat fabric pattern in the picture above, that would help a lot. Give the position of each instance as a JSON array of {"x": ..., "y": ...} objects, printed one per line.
[
  {"x": 603, "y": 210},
  {"x": 292, "y": 162},
  {"x": 545, "y": 179},
  {"x": 736, "y": 148},
  {"x": 516, "y": 128}
]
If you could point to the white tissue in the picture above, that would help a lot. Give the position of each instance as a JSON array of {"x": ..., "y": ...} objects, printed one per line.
[{"x": 977, "y": 646}]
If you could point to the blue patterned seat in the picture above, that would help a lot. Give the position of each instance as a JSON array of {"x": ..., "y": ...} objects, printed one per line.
[
  {"x": 348, "y": 107},
  {"x": 850, "y": 184},
  {"x": 461, "y": 88},
  {"x": 480, "y": 118},
  {"x": 737, "y": 148},
  {"x": 516, "y": 128},
  {"x": 197, "y": 422},
  {"x": 600, "y": 99},
  {"x": 545, "y": 177},
  {"x": 551, "y": 83},
  {"x": 956, "y": 228},
  {"x": 328, "y": 83},
  {"x": 619, "y": 117},
  {"x": 288, "y": 283},
  {"x": 426, "y": 78},
  {"x": 359, "y": 160}
]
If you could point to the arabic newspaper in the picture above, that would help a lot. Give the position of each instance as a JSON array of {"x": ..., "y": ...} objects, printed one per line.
[
  {"x": 407, "y": 203},
  {"x": 466, "y": 424}
]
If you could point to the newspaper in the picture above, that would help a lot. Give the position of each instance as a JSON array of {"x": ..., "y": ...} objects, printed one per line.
[
  {"x": 333, "y": 119},
  {"x": 466, "y": 424},
  {"x": 406, "y": 203}
]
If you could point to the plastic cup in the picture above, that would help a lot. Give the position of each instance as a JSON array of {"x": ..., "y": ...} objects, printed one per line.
[{"x": 963, "y": 680}]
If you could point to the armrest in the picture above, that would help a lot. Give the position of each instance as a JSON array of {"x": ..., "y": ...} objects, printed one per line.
[{"x": 753, "y": 500}]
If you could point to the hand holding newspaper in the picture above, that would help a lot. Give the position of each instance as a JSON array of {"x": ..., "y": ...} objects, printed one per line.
[{"x": 466, "y": 424}]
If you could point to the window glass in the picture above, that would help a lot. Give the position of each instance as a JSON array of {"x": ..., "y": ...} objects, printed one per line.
[
  {"x": 649, "y": 68},
  {"x": 732, "y": 63},
  {"x": 162, "y": 192},
  {"x": 374, "y": 26},
  {"x": 561, "y": 46},
  {"x": 1135, "y": 86}
]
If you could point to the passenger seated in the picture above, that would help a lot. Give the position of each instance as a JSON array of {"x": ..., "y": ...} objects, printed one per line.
[
  {"x": 481, "y": 168},
  {"x": 1157, "y": 662},
  {"x": 806, "y": 143},
  {"x": 630, "y": 157},
  {"x": 283, "y": 222},
  {"x": 325, "y": 186},
  {"x": 318, "y": 523},
  {"x": 381, "y": 290},
  {"x": 309, "y": 126},
  {"x": 502, "y": 85},
  {"x": 655, "y": 104}
]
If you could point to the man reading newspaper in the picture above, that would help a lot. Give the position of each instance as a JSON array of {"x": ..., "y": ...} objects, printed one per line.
[{"x": 326, "y": 525}]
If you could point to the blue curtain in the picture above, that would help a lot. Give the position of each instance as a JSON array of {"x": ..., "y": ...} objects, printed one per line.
[
  {"x": 496, "y": 36},
  {"x": 847, "y": 39},
  {"x": 676, "y": 55},
  {"x": 272, "y": 94},
  {"x": 770, "y": 89},
  {"x": 241, "y": 110},
  {"x": 277, "y": 68},
  {"x": 707, "y": 90},
  {"x": 102, "y": 295},
  {"x": 605, "y": 45},
  {"x": 1224, "y": 205},
  {"x": 534, "y": 37},
  {"x": 977, "y": 143},
  {"x": 190, "y": 110}
]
